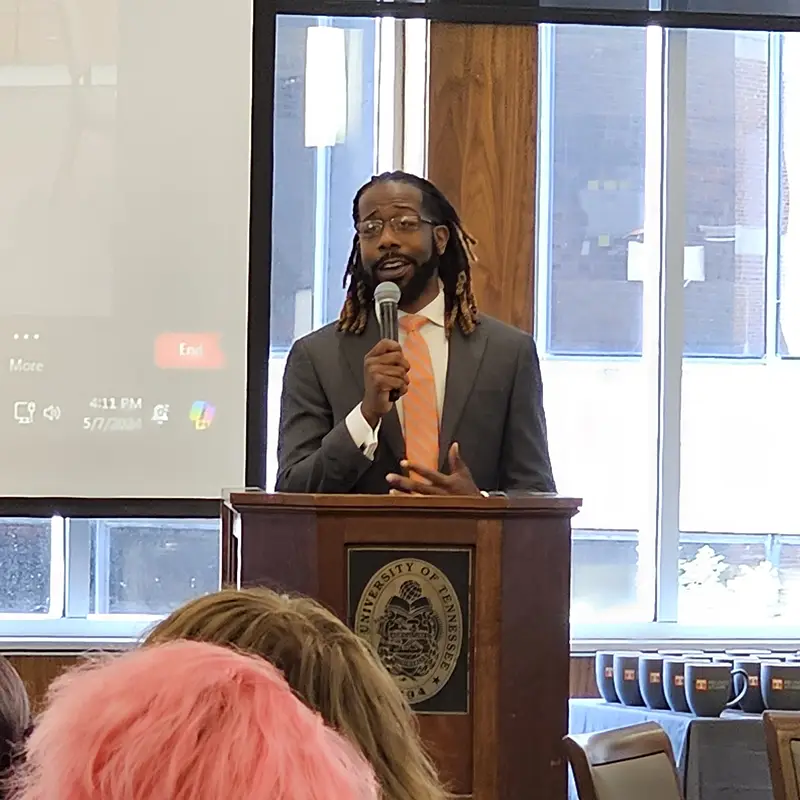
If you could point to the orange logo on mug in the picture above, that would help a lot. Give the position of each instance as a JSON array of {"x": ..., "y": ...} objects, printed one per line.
[
  {"x": 753, "y": 680},
  {"x": 678, "y": 680},
  {"x": 777, "y": 684},
  {"x": 655, "y": 677},
  {"x": 701, "y": 684},
  {"x": 609, "y": 672},
  {"x": 629, "y": 675}
]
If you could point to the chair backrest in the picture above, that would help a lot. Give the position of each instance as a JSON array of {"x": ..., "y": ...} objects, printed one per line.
[
  {"x": 782, "y": 732},
  {"x": 624, "y": 764}
]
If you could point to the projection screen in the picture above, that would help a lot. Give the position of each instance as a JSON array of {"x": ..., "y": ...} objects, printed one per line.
[{"x": 124, "y": 203}]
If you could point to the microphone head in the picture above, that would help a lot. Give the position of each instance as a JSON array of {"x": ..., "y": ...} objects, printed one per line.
[{"x": 387, "y": 292}]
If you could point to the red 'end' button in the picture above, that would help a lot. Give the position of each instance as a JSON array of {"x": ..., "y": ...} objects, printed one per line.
[{"x": 189, "y": 351}]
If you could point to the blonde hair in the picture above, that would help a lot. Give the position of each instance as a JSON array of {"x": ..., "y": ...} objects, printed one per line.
[
  {"x": 15, "y": 717},
  {"x": 329, "y": 666}
]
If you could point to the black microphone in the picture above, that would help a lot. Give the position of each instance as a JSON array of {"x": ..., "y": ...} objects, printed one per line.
[{"x": 387, "y": 296}]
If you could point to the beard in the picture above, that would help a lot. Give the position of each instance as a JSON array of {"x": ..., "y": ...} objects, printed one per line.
[{"x": 413, "y": 286}]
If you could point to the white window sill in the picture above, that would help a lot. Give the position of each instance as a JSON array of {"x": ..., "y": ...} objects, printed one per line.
[
  {"x": 673, "y": 636},
  {"x": 72, "y": 635}
]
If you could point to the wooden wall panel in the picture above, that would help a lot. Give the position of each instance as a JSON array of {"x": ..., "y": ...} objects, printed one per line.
[
  {"x": 482, "y": 153},
  {"x": 581, "y": 677},
  {"x": 38, "y": 671}
]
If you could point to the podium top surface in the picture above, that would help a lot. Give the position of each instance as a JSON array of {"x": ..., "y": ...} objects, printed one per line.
[{"x": 549, "y": 504}]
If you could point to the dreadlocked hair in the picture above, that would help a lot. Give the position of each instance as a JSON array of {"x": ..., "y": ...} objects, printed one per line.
[{"x": 454, "y": 263}]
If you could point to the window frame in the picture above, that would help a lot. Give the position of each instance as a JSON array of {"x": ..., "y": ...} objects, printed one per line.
[
  {"x": 69, "y": 620},
  {"x": 665, "y": 181}
]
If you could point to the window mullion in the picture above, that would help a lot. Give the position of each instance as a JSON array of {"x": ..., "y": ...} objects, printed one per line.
[
  {"x": 774, "y": 193},
  {"x": 414, "y": 81},
  {"x": 78, "y": 567},
  {"x": 57, "y": 568},
  {"x": 544, "y": 188},
  {"x": 672, "y": 325}
]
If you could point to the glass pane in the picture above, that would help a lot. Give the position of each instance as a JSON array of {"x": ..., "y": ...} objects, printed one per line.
[
  {"x": 325, "y": 113},
  {"x": 789, "y": 285},
  {"x": 786, "y": 557},
  {"x": 598, "y": 90},
  {"x": 24, "y": 566},
  {"x": 152, "y": 566},
  {"x": 726, "y": 195},
  {"x": 593, "y": 178},
  {"x": 604, "y": 575},
  {"x": 738, "y": 438}
]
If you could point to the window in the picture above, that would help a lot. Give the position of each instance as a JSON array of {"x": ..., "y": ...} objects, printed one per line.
[
  {"x": 29, "y": 554},
  {"x": 667, "y": 326},
  {"x": 145, "y": 567},
  {"x": 593, "y": 154},
  {"x": 320, "y": 161},
  {"x": 339, "y": 91},
  {"x": 101, "y": 578}
]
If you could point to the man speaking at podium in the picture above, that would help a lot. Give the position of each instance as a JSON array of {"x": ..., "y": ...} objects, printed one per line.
[{"x": 469, "y": 419}]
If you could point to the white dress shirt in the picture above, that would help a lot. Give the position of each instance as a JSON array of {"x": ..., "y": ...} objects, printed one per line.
[{"x": 362, "y": 433}]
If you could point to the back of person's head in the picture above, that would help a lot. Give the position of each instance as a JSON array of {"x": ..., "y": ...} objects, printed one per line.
[
  {"x": 329, "y": 666},
  {"x": 15, "y": 715},
  {"x": 186, "y": 721}
]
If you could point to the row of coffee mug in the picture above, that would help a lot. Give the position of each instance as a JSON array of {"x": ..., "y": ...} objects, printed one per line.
[{"x": 699, "y": 682}]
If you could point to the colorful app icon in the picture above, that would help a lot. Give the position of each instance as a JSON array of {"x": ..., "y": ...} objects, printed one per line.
[{"x": 201, "y": 414}]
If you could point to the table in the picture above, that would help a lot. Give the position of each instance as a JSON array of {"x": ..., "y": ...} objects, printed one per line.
[{"x": 722, "y": 758}]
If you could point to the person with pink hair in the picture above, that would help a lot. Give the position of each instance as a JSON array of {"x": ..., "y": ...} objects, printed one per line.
[{"x": 186, "y": 721}]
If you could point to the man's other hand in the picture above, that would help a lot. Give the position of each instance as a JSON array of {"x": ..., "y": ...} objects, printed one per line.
[{"x": 422, "y": 480}]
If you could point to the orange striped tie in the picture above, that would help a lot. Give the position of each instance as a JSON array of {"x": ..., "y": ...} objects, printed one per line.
[{"x": 420, "y": 411}]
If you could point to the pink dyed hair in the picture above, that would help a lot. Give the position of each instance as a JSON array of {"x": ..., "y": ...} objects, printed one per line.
[{"x": 186, "y": 721}]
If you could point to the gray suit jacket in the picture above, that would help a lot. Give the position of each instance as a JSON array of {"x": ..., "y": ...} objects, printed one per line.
[{"x": 492, "y": 408}]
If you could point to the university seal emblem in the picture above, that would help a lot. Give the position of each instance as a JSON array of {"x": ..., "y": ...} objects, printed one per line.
[{"x": 410, "y": 613}]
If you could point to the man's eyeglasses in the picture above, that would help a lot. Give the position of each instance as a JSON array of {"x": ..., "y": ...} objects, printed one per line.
[{"x": 408, "y": 223}]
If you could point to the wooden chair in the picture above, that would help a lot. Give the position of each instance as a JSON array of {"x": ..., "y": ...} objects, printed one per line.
[
  {"x": 632, "y": 763},
  {"x": 782, "y": 732}
]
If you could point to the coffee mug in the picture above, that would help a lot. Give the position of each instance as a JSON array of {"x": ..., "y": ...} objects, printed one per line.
[
  {"x": 780, "y": 685},
  {"x": 604, "y": 676},
  {"x": 674, "y": 680},
  {"x": 651, "y": 680},
  {"x": 626, "y": 678},
  {"x": 751, "y": 702},
  {"x": 708, "y": 687}
]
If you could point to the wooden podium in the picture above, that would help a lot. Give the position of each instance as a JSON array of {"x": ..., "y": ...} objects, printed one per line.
[{"x": 466, "y": 600}]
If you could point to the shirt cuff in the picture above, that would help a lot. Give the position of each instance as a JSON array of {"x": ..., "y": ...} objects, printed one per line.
[{"x": 361, "y": 432}]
